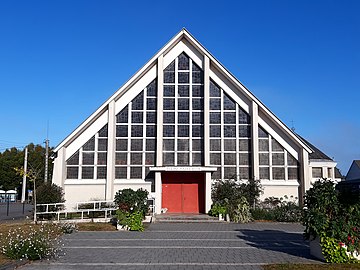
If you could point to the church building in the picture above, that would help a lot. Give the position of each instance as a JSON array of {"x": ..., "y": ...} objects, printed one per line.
[{"x": 180, "y": 123}]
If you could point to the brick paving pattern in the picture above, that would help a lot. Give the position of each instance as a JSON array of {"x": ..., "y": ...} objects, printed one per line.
[{"x": 184, "y": 246}]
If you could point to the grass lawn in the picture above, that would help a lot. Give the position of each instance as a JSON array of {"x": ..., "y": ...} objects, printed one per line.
[{"x": 311, "y": 266}]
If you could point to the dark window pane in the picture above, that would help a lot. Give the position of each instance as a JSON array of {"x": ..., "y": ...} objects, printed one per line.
[
  {"x": 293, "y": 174},
  {"x": 101, "y": 172},
  {"x": 183, "y": 131},
  {"x": 120, "y": 158},
  {"x": 169, "y": 117},
  {"x": 88, "y": 158},
  {"x": 102, "y": 157},
  {"x": 183, "y": 117},
  {"x": 197, "y": 131},
  {"x": 197, "y": 77},
  {"x": 229, "y": 131},
  {"x": 229, "y": 104},
  {"x": 197, "y": 145},
  {"x": 89, "y": 145},
  {"x": 150, "y": 145},
  {"x": 169, "y": 104},
  {"x": 291, "y": 160},
  {"x": 122, "y": 117},
  {"x": 183, "y": 62},
  {"x": 230, "y": 118},
  {"x": 196, "y": 159},
  {"x": 72, "y": 172},
  {"x": 230, "y": 145},
  {"x": 120, "y": 172},
  {"x": 102, "y": 144},
  {"x": 244, "y": 118},
  {"x": 264, "y": 159},
  {"x": 136, "y": 172},
  {"x": 244, "y": 173},
  {"x": 215, "y": 131},
  {"x": 171, "y": 66},
  {"x": 136, "y": 145},
  {"x": 263, "y": 144},
  {"x": 183, "y": 90},
  {"x": 169, "y": 77},
  {"x": 135, "y": 158},
  {"x": 276, "y": 146},
  {"x": 197, "y": 117},
  {"x": 244, "y": 158},
  {"x": 198, "y": 91},
  {"x": 183, "y": 145},
  {"x": 229, "y": 173},
  {"x": 215, "y": 145},
  {"x": 169, "y": 90},
  {"x": 278, "y": 173},
  {"x": 183, "y": 158},
  {"x": 183, "y": 104},
  {"x": 229, "y": 158},
  {"x": 217, "y": 174},
  {"x": 262, "y": 133},
  {"x": 215, "y": 104},
  {"x": 244, "y": 145},
  {"x": 169, "y": 159},
  {"x": 215, "y": 158},
  {"x": 278, "y": 159},
  {"x": 152, "y": 89},
  {"x": 264, "y": 173},
  {"x": 244, "y": 131},
  {"x": 169, "y": 131},
  {"x": 121, "y": 131},
  {"x": 150, "y": 159},
  {"x": 121, "y": 145},
  {"x": 138, "y": 102},
  {"x": 74, "y": 159},
  {"x": 136, "y": 117},
  {"x": 136, "y": 131},
  {"x": 197, "y": 104},
  {"x": 215, "y": 118},
  {"x": 150, "y": 117},
  {"x": 183, "y": 77},
  {"x": 150, "y": 131},
  {"x": 214, "y": 90},
  {"x": 104, "y": 131},
  {"x": 87, "y": 173},
  {"x": 151, "y": 103},
  {"x": 169, "y": 145}
]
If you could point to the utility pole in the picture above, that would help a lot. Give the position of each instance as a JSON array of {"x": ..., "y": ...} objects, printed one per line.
[
  {"x": 46, "y": 160},
  {"x": 24, "y": 177}
]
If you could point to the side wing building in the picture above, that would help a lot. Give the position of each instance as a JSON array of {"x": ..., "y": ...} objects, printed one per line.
[{"x": 182, "y": 121}]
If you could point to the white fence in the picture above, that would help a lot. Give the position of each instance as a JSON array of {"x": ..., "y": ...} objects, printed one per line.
[{"x": 99, "y": 211}]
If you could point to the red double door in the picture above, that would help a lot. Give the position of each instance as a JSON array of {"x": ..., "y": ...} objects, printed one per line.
[{"x": 183, "y": 192}]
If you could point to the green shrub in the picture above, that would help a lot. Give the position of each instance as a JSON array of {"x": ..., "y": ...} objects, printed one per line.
[
  {"x": 287, "y": 211},
  {"x": 241, "y": 212},
  {"x": 130, "y": 200},
  {"x": 49, "y": 193},
  {"x": 131, "y": 221},
  {"x": 262, "y": 214},
  {"x": 37, "y": 242},
  {"x": 217, "y": 209}
]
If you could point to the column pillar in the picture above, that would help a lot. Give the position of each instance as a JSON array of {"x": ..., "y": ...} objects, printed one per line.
[
  {"x": 304, "y": 174},
  {"x": 255, "y": 139},
  {"x": 110, "y": 171}
]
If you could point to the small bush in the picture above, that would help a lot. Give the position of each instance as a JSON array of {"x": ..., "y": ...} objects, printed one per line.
[
  {"x": 130, "y": 221},
  {"x": 262, "y": 214},
  {"x": 49, "y": 193},
  {"x": 130, "y": 200},
  {"x": 241, "y": 212},
  {"x": 287, "y": 212},
  {"x": 217, "y": 209},
  {"x": 69, "y": 227},
  {"x": 37, "y": 242}
]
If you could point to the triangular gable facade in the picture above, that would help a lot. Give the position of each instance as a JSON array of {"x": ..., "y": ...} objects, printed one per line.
[{"x": 178, "y": 124}]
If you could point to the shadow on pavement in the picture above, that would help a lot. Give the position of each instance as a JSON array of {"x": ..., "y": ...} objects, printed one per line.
[{"x": 275, "y": 240}]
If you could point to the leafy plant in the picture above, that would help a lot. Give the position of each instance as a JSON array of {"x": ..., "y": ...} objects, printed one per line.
[
  {"x": 241, "y": 212},
  {"x": 130, "y": 200},
  {"x": 287, "y": 211},
  {"x": 131, "y": 221},
  {"x": 217, "y": 209}
]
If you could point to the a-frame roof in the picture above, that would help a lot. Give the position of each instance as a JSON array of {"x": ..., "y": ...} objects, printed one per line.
[{"x": 176, "y": 39}]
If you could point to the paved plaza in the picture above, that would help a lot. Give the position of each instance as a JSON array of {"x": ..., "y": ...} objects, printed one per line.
[
  {"x": 183, "y": 246},
  {"x": 15, "y": 211}
]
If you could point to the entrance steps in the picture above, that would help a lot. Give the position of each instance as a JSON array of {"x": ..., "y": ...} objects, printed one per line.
[{"x": 184, "y": 217}]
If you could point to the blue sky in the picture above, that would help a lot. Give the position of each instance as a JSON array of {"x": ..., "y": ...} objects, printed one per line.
[{"x": 60, "y": 60}]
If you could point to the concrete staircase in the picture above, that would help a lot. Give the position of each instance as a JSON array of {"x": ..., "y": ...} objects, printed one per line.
[{"x": 182, "y": 217}]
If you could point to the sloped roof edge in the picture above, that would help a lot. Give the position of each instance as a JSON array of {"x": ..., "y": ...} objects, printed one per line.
[{"x": 182, "y": 33}]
